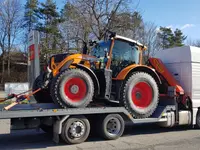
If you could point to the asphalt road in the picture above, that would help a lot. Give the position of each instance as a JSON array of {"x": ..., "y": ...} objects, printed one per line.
[{"x": 145, "y": 137}]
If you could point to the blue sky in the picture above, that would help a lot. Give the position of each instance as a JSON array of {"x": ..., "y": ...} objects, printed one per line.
[{"x": 182, "y": 14}]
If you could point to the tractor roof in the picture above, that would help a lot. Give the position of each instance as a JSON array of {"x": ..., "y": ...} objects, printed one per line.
[{"x": 130, "y": 40}]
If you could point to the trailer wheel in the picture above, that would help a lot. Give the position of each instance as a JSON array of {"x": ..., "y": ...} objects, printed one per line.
[
  {"x": 112, "y": 127},
  {"x": 75, "y": 130},
  {"x": 42, "y": 96},
  {"x": 140, "y": 95},
  {"x": 198, "y": 120},
  {"x": 72, "y": 88}
]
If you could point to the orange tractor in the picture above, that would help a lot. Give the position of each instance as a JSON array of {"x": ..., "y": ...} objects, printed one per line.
[{"x": 111, "y": 72}]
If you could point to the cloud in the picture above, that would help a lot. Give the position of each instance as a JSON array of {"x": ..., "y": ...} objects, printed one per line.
[
  {"x": 170, "y": 26},
  {"x": 174, "y": 27},
  {"x": 187, "y": 26},
  {"x": 157, "y": 30}
]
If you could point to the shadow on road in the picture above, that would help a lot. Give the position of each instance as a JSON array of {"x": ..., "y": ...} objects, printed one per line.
[{"x": 31, "y": 139}]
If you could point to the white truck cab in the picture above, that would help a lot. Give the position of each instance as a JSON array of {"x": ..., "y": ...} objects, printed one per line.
[{"x": 184, "y": 64}]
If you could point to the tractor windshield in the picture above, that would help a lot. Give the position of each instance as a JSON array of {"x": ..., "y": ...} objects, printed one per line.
[
  {"x": 100, "y": 49},
  {"x": 125, "y": 52}
]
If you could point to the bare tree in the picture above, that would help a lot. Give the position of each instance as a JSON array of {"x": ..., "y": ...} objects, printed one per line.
[
  {"x": 3, "y": 37},
  {"x": 191, "y": 42},
  {"x": 197, "y": 43},
  {"x": 12, "y": 21},
  {"x": 98, "y": 16},
  {"x": 150, "y": 38}
]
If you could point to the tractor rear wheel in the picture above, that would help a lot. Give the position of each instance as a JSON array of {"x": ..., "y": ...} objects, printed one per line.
[
  {"x": 140, "y": 95},
  {"x": 42, "y": 96},
  {"x": 72, "y": 88}
]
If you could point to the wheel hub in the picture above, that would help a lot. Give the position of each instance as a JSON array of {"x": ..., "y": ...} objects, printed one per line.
[
  {"x": 74, "y": 89},
  {"x": 113, "y": 126},
  {"x": 142, "y": 95},
  {"x": 77, "y": 129},
  {"x": 138, "y": 95}
]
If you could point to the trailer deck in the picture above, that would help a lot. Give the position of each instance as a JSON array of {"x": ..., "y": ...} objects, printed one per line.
[{"x": 50, "y": 109}]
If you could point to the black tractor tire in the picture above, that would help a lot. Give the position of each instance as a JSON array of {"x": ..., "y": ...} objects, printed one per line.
[
  {"x": 75, "y": 130},
  {"x": 140, "y": 95},
  {"x": 42, "y": 96},
  {"x": 72, "y": 88},
  {"x": 111, "y": 127}
]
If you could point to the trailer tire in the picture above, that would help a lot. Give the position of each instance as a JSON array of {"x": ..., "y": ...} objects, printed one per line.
[
  {"x": 112, "y": 127},
  {"x": 75, "y": 130},
  {"x": 198, "y": 120},
  {"x": 72, "y": 88},
  {"x": 44, "y": 95},
  {"x": 140, "y": 95}
]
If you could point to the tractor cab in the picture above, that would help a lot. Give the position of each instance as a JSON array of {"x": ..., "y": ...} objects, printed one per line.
[{"x": 117, "y": 52}]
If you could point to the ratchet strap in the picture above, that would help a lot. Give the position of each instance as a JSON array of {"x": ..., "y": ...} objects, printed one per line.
[{"x": 19, "y": 98}]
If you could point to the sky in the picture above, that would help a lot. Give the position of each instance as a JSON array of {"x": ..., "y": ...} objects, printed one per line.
[{"x": 182, "y": 14}]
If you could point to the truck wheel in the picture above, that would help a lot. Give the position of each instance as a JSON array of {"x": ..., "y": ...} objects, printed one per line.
[
  {"x": 42, "y": 96},
  {"x": 112, "y": 127},
  {"x": 72, "y": 88},
  {"x": 140, "y": 95},
  {"x": 75, "y": 130}
]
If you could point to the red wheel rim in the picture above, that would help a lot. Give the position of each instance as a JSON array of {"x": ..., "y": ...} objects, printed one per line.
[
  {"x": 142, "y": 94},
  {"x": 75, "y": 89}
]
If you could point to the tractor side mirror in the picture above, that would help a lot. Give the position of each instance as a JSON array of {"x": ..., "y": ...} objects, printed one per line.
[
  {"x": 106, "y": 52},
  {"x": 85, "y": 48}
]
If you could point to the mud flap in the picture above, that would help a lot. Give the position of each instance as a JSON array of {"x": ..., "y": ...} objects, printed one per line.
[{"x": 57, "y": 128}]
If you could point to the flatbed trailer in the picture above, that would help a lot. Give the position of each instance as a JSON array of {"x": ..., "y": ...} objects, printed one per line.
[{"x": 73, "y": 125}]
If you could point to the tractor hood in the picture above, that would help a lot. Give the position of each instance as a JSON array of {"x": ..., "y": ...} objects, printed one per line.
[
  {"x": 60, "y": 57},
  {"x": 65, "y": 60},
  {"x": 60, "y": 60}
]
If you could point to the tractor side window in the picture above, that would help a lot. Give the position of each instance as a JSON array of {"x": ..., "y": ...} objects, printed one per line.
[
  {"x": 125, "y": 52},
  {"x": 100, "y": 49}
]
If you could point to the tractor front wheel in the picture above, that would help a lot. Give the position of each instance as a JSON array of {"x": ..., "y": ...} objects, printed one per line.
[
  {"x": 72, "y": 88},
  {"x": 140, "y": 95}
]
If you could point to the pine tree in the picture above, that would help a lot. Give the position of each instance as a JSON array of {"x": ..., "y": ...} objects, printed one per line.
[
  {"x": 30, "y": 18},
  {"x": 48, "y": 27},
  {"x": 170, "y": 39},
  {"x": 50, "y": 17},
  {"x": 166, "y": 37},
  {"x": 179, "y": 38}
]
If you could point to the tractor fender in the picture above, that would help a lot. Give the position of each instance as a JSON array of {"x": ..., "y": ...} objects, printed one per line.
[
  {"x": 92, "y": 75},
  {"x": 66, "y": 65},
  {"x": 134, "y": 68}
]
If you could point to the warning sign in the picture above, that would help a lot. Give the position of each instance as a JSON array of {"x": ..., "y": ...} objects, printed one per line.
[{"x": 31, "y": 52}]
